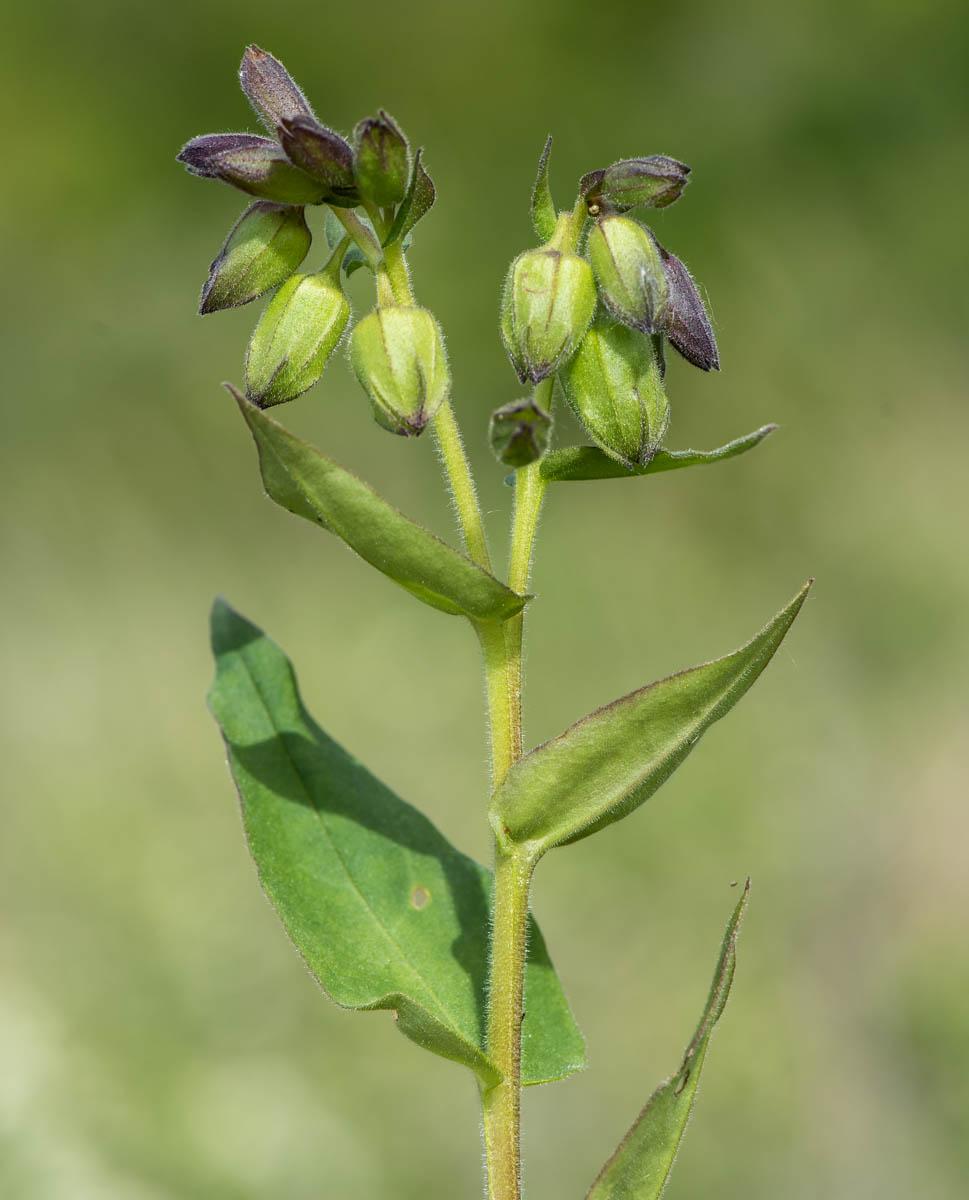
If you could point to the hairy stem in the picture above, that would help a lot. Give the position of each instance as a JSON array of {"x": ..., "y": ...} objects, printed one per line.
[{"x": 501, "y": 1104}]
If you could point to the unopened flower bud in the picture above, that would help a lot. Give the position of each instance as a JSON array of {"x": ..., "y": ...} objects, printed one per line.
[
  {"x": 628, "y": 266},
  {"x": 519, "y": 433},
  {"x": 614, "y": 385},
  {"x": 322, "y": 154},
  {"x": 398, "y": 355},
  {"x": 252, "y": 164},
  {"x": 264, "y": 247},
  {"x": 381, "y": 163},
  {"x": 687, "y": 325},
  {"x": 299, "y": 330},
  {"x": 655, "y": 181},
  {"x": 270, "y": 89},
  {"x": 549, "y": 299}
]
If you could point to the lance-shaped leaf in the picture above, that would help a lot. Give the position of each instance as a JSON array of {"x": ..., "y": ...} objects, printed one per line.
[
  {"x": 305, "y": 481},
  {"x": 606, "y": 765},
  {"x": 575, "y": 463},
  {"x": 416, "y": 203},
  {"x": 643, "y": 1161},
  {"x": 543, "y": 206},
  {"x": 386, "y": 913}
]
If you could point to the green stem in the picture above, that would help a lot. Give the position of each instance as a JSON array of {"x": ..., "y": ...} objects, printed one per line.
[
  {"x": 501, "y": 1104},
  {"x": 461, "y": 484},
  {"x": 360, "y": 234}
]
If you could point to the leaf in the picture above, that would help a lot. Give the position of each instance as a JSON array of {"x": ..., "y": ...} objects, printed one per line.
[
  {"x": 302, "y": 479},
  {"x": 606, "y": 765},
  {"x": 642, "y": 1163},
  {"x": 588, "y": 462},
  {"x": 543, "y": 206},
  {"x": 416, "y": 203},
  {"x": 384, "y": 911}
]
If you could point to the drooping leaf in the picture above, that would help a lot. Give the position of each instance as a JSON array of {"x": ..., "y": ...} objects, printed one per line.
[
  {"x": 644, "y": 1158},
  {"x": 385, "y": 912},
  {"x": 575, "y": 463},
  {"x": 543, "y": 206},
  {"x": 606, "y": 765},
  {"x": 416, "y": 203},
  {"x": 303, "y": 480}
]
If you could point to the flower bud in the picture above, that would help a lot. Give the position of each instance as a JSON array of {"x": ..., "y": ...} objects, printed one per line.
[
  {"x": 614, "y": 385},
  {"x": 655, "y": 181},
  {"x": 270, "y": 89},
  {"x": 628, "y": 266},
  {"x": 398, "y": 355},
  {"x": 687, "y": 325},
  {"x": 299, "y": 330},
  {"x": 549, "y": 299},
  {"x": 252, "y": 164},
  {"x": 264, "y": 247},
  {"x": 519, "y": 433},
  {"x": 381, "y": 163},
  {"x": 322, "y": 154}
]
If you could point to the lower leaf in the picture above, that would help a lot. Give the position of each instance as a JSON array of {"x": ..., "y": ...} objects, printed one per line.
[
  {"x": 641, "y": 1165},
  {"x": 385, "y": 912}
]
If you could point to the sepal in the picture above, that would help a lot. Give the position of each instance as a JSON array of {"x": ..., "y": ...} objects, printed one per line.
[
  {"x": 519, "y": 433},
  {"x": 381, "y": 160},
  {"x": 252, "y": 164},
  {"x": 629, "y": 270},
  {"x": 262, "y": 250},
  {"x": 270, "y": 89}
]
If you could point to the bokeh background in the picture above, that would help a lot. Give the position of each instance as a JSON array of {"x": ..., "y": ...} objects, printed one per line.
[{"x": 160, "y": 1039}]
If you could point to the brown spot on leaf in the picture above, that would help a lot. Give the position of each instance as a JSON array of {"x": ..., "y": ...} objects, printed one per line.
[{"x": 420, "y": 897}]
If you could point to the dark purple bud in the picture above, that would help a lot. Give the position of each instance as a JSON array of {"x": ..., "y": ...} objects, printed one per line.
[
  {"x": 270, "y": 90},
  {"x": 655, "y": 182},
  {"x": 319, "y": 152},
  {"x": 381, "y": 160},
  {"x": 687, "y": 325},
  {"x": 252, "y": 164}
]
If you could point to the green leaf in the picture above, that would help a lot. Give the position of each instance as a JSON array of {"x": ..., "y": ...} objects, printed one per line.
[
  {"x": 606, "y": 765},
  {"x": 588, "y": 462},
  {"x": 302, "y": 479},
  {"x": 418, "y": 201},
  {"x": 543, "y": 206},
  {"x": 384, "y": 911},
  {"x": 641, "y": 1165}
]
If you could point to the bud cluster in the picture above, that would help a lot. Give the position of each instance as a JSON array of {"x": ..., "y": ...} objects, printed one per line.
[
  {"x": 397, "y": 351},
  {"x": 595, "y": 304}
]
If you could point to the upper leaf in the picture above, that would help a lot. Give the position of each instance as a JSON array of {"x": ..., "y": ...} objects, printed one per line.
[
  {"x": 606, "y": 765},
  {"x": 385, "y": 912},
  {"x": 302, "y": 479},
  {"x": 574, "y": 463},
  {"x": 543, "y": 206},
  {"x": 643, "y": 1161}
]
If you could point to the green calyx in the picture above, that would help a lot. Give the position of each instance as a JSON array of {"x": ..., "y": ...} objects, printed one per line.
[
  {"x": 629, "y": 270},
  {"x": 397, "y": 353}
]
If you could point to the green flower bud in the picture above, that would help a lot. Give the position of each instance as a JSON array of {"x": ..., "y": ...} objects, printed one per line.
[
  {"x": 519, "y": 433},
  {"x": 398, "y": 355},
  {"x": 629, "y": 268},
  {"x": 549, "y": 299},
  {"x": 614, "y": 384},
  {"x": 299, "y": 330},
  {"x": 264, "y": 247},
  {"x": 655, "y": 182},
  {"x": 381, "y": 164}
]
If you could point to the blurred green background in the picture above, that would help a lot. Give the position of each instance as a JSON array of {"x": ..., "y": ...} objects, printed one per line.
[{"x": 159, "y": 1037}]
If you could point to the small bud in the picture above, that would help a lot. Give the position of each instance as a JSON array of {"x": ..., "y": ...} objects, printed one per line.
[
  {"x": 519, "y": 433},
  {"x": 270, "y": 90},
  {"x": 381, "y": 163},
  {"x": 615, "y": 387},
  {"x": 549, "y": 299},
  {"x": 628, "y": 266},
  {"x": 264, "y": 247},
  {"x": 322, "y": 154},
  {"x": 398, "y": 355},
  {"x": 687, "y": 325},
  {"x": 299, "y": 330},
  {"x": 655, "y": 181},
  {"x": 252, "y": 164}
]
